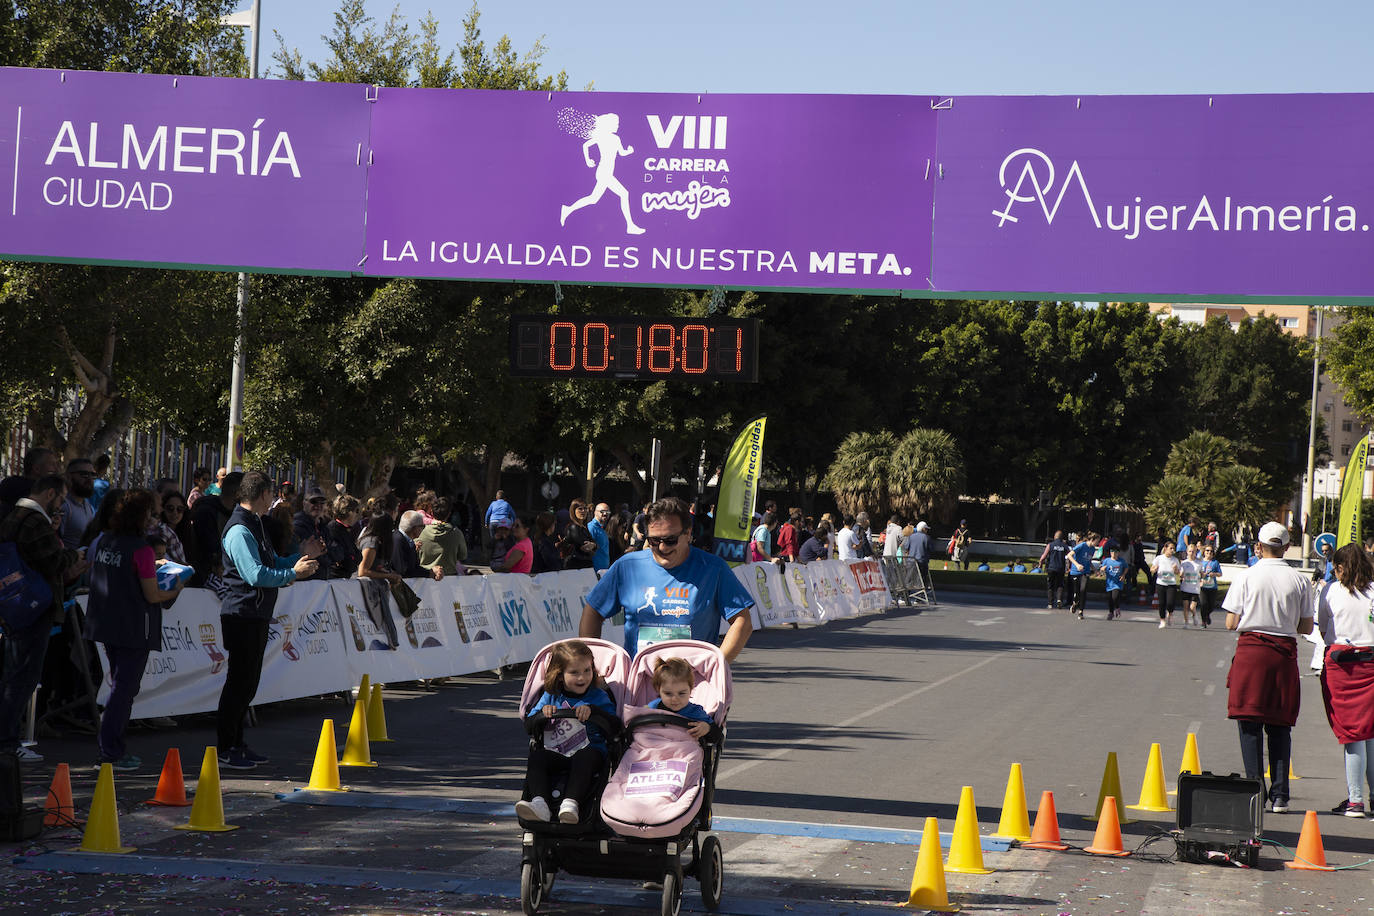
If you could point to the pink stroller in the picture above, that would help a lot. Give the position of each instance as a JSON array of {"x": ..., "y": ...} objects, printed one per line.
[
  {"x": 638, "y": 828},
  {"x": 662, "y": 788}
]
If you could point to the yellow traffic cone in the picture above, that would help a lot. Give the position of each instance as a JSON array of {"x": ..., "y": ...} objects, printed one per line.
[
  {"x": 207, "y": 811},
  {"x": 1190, "y": 764},
  {"x": 324, "y": 776},
  {"x": 376, "y": 716},
  {"x": 928, "y": 884},
  {"x": 1015, "y": 823},
  {"x": 357, "y": 750},
  {"x": 965, "y": 849},
  {"x": 1269, "y": 771},
  {"x": 365, "y": 689},
  {"x": 1152, "y": 794},
  {"x": 102, "y": 827},
  {"x": 1111, "y": 788}
]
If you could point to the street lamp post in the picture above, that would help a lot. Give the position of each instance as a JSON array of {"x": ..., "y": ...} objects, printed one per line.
[
  {"x": 250, "y": 19},
  {"x": 1311, "y": 447}
]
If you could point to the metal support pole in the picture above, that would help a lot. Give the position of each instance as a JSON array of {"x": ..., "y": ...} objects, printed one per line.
[
  {"x": 233, "y": 458},
  {"x": 655, "y": 466},
  {"x": 591, "y": 472},
  {"x": 1311, "y": 448}
]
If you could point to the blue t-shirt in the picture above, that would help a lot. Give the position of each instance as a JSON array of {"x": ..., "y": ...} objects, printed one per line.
[
  {"x": 1209, "y": 570},
  {"x": 1083, "y": 553},
  {"x": 1182, "y": 545},
  {"x": 685, "y": 602},
  {"x": 1113, "y": 570},
  {"x": 690, "y": 711},
  {"x": 764, "y": 537},
  {"x": 602, "y": 558}
]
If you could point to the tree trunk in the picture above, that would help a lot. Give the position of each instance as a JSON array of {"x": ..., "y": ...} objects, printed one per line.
[
  {"x": 380, "y": 473},
  {"x": 632, "y": 469},
  {"x": 1032, "y": 516}
]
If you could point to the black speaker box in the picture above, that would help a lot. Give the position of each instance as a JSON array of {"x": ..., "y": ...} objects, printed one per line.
[{"x": 1220, "y": 818}]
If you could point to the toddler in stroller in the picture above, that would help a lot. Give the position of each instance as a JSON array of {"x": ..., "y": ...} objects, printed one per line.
[
  {"x": 573, "y": 745},
  {"x": 657, "y": 802}
]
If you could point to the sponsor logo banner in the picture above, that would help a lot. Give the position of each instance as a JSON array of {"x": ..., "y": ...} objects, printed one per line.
[
  {"x": 182, "y": 170},
  {"x": 1166, "y": 196},
  {"x": 629, "y": 188}
]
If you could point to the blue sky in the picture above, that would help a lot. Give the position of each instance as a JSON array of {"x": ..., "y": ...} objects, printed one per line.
[{"x": 918, "y": 47}]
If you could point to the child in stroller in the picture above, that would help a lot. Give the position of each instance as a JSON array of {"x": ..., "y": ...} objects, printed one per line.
[
  {"x": 572, "y": 747},
  {"x": 655, "y": 808}
]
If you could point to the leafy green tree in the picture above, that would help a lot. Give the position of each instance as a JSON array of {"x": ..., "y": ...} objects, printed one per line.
[
  {"x": 1200, "y": 455},
  {"x": 860, "y": 474},
  {"x": 1171, "y": 502},
  {"x": 1350, "y": 357},
  {"x": 927, "y": 470},
  {"x": 122, "y": 338},
  {"x": 1240, "y": 497}
]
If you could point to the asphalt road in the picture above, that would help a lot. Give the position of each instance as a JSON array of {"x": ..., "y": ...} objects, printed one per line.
[{"x": 857, "y": 730}]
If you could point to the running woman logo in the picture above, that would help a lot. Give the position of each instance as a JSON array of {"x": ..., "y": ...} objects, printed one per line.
[
  {"x": 1028, "y": 176},
  {"x": 208, "y": 638}
]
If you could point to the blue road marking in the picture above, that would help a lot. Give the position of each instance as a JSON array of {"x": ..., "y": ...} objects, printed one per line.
[{"x": 858, "y": 834}]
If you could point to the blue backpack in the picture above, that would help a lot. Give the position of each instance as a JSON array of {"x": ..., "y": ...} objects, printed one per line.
[{"x": 24, "y": 594}]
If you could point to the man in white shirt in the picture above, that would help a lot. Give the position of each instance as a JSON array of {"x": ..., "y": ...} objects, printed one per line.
[
  {"x": 1270, "y": 604},
  {"x": 845, "y": 540}
]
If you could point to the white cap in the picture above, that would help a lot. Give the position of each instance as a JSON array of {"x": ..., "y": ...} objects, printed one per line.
[
  {"x": 1273, "y": 534},
  {"x": 922, "y": 526}
]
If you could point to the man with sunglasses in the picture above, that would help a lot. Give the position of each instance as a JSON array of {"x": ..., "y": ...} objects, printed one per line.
[{"x": 671, "y": 590}]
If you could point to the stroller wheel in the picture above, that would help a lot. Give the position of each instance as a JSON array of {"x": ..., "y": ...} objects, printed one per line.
[
  {"x": 672, "y": 894},
  {"x": 533, "y": 886},
  {"x": 711, "y": 872}
]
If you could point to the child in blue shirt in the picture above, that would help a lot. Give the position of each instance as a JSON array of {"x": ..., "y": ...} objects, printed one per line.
[
  {"x": 673, "y": 680},
  {"x": 570, "y": 745},
  {"x": 1113, "y": 569}
]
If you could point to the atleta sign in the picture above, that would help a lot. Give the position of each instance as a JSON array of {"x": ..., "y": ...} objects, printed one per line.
[{"x": 1264, "y": 197}]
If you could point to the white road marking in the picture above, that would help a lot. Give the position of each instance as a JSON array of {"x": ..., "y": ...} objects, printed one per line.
[
  {"x": 759, "y": 866},
  {"x": 987, "y": 622},
  {"x": 853, "y": 720},
  {"x": 1221, "y": 663},
  {"x": 1210, "y": 889},
  {"x": 1209, "y": 690}
]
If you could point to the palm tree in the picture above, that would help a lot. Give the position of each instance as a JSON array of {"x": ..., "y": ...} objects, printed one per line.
[
  {"x": 1171, "y": 502},
  {"x": 859, "y": 474},
  {"x": 1199, "y": 456},
  {"x": 1238, "y": 496},
  {"x": 927, "y": 469}
]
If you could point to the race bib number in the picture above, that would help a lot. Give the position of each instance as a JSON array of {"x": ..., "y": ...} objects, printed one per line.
[
  {"x": 657, "y": 777},
  {"x": 652, "y": 636},
  {"x": 565, "y": 737}
]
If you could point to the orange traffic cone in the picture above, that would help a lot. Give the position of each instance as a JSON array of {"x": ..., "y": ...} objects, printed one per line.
[
  {"x": 1311, "y": 856},
  {"x": 1107, "y": 840},
  {"x": 1046, "y": 832},
  {"x": 60, "y": 810},
  {"x": 171, "y": 785}
]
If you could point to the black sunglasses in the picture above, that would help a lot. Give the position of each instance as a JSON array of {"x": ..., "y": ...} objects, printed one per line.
[{"x": 668, "y": 541}]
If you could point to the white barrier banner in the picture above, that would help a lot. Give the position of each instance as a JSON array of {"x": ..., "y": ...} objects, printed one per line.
[
  {"x": 771, "y": 599},
  {"x": 799, "y": 593},
  {"x": 870, "y": 585},
  {"x": 560, "y": 602},
  {"x": 478, "y": 623},
  {"x": 369, "y": 647},
  {"x": 429, "y": 637},
  {"x": 832, "y": 589},
  {"x": 306, "y": 652},
  {"x": 512, "y": 595},
  {"x": 186, "y": 674}
]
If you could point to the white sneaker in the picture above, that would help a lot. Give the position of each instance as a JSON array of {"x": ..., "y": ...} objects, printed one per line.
[
  {"x": 569, "y": 812},
  {"x": 534, "y": 810},
  {"x": 28, "y": 755},
  {"x": 1162, "y": 624}
]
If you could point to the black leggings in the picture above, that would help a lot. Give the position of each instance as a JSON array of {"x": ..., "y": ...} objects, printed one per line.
[
  {"x": 1168, "y": 597},
  {"x": 1113, "y": 601},
  {"x": 546, "y": 766},
  {"x": 1207, "y": 603}
]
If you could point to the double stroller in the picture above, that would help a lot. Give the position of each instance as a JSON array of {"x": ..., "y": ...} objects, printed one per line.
[{"x": 652, "y": 802}]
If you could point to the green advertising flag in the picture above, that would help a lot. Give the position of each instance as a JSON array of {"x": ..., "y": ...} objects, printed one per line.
[
  {"x": 1352, "y": 496},
  {"x": 739, "y": 485}
]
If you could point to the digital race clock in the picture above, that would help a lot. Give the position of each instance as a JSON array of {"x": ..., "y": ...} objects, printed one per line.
[{"x": 701, "y": 349}]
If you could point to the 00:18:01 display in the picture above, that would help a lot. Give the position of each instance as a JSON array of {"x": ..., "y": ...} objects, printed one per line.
[{"x": 668, "y": 349}]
